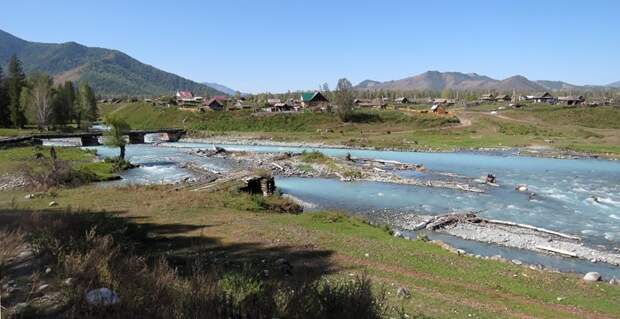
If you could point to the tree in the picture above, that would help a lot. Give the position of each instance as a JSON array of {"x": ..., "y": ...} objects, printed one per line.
[
  {"x": 115, "y": 135},
  {"x": 86, "y": 104},
  {"x": 16, "y": 79},
  {"x": 344, "y": 100},
  {"x": 63, "y": 104},
  {"x": 5, "y": 113},
  {"x": 38, "y": 97}
]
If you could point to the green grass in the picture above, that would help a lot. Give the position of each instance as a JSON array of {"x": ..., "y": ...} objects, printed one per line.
[
  {"x": 17, "y": 158},
  {"x": 604, "y": 117},
  {"x": 580, "y": 129},
  {"x": 9, "y": 132},
  {"x": 443, "y": 285},
  {"x": 316, "y": 157},
  {"x": 146, "y": 116}
]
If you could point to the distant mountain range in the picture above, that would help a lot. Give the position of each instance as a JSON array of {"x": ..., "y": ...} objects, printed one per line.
[
  {"x": 223, "y": 88},
  {"x": 439, "y": 81},
  {"x": 110, "y": 72},
  {"x": 615, "y": 85}
]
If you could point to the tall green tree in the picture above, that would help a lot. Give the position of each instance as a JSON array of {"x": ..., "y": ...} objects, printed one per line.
[
  {"x": 344, "y": 98},
  {"x": 115, "y": 136},
  {"x": 86, "y": 104},
  {"x": 63, "y": 104},
  {"x": 15, "y": 82},
  {"x": 5, "y": 112},
  {"x": 38, "y": 97}
]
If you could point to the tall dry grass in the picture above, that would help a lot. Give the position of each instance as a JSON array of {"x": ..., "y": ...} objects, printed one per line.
[{"x": 98, "y": 250}]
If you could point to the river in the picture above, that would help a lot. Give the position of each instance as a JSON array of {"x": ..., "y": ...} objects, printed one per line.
[{"x": 574, "y": 196}]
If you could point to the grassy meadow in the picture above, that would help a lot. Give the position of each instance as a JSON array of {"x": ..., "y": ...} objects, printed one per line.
[
  {"x": 232, "y": 234},
  {"x": 581, "y": 129}
]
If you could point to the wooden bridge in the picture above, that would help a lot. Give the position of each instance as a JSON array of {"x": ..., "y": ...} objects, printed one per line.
[{"x": 92, "y": 138}]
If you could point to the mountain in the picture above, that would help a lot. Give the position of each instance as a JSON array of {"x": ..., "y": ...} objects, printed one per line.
[
  {"x": 614, "y": 85},
  {"x": 110, "y": 72},
  {"x": 558, "y": 85},
  {"x": 223, "y": 88},
  {"x": 367, "y": 85},
  {"x": 438, "y": 81}
]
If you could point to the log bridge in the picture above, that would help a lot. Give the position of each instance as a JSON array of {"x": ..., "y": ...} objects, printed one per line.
[{"x": 92, "y": 138}]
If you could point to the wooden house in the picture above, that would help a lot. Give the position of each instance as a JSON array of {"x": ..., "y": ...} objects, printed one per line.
[
  {"x": 572, "y": 100},
  {"x": 402, "y": 100},
  {"x": 503, "y": 98},
  {"x": 490, "y": 97},
  {"x": 367, "y": 103},
  {"x": 186, "y": 98},
  {"x": 544, "y": 97},
  {"x": 314, "y": 100},
  {"x": 214, "y": 104},
  {"x": 444, "y": 102},
  {"x": 273, "y": 102}
]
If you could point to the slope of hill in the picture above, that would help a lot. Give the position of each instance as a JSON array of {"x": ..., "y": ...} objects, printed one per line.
[
  {"x": 557, "y": 85},
  {"x": 614, "y": 85},
  {"x": 438, "y": 81},
  {"x": 110, "y": 72},
  {"x": 223, "y": 88}
]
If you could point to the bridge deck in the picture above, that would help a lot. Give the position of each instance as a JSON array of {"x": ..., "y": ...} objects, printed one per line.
[{"x": 91, "y": 134}]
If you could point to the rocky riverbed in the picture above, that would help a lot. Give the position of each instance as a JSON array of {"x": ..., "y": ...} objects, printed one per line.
[
  {"x": 348, "y": 169},
  {"x": 471, "y": 227}
]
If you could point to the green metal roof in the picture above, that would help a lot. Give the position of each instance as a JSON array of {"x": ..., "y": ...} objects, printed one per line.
[{"x": 307, "y": 97}]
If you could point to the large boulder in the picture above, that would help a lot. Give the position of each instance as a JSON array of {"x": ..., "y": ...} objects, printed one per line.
[
  {"x": 102, "y": 297},
  {"x": 592, "y": 277}
]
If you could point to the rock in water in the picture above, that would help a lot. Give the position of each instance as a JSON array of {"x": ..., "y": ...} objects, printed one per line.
[
  {"x": 592, "y": 277},
  {"x": 521, "y": 188},
  {"x": 102, "y": 297}
]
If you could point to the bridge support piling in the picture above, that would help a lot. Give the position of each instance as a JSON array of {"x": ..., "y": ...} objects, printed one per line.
[
  {"x": 175, "y": 136},
  {"x": 136, "y": 138},
  {"x": 89, "y": 140}
]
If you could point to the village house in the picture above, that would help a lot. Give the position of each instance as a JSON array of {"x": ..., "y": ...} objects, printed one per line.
[
  {"x": 402, "y": 100},
  {"x": 490, "y": 97},
  {"x": 273, "y": 102},
  {"x": 572, "y": 100},
  {"x": 503, "y": 98},
  {"x": 213, "y": 104},
  {"x": 284, "y": 106},
  {"x": 376, "y": 103},
  {"x": 240, "y": 104},
  {"x": 314, "y": 100},
  {"x": 187, "y": 98},
  {"x": 444, "y": 102},
  {"x": 544, "y": 97}
]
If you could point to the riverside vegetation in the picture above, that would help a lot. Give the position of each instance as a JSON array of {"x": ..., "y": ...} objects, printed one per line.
[{"x": 560, "y": 128}]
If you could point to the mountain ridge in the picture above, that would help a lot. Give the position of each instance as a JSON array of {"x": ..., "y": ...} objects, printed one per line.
[
  {"x": 223, "y": 88},
  {"x": 458, "y": 81},
  {"x": 111, "y": 72}
]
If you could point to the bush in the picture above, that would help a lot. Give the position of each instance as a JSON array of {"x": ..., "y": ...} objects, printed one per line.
[{"x": 44, "y": 174}]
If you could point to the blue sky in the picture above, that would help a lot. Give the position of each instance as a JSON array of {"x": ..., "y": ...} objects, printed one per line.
[{"x": 277, "y": 45}]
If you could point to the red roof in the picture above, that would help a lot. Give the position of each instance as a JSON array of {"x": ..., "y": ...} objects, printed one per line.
[
  {"x": 220, "y": 98},
  {"x": 185, "y": 94}
]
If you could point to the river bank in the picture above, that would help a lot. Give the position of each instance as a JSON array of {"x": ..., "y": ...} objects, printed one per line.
[{"x": 542, "y": 151}]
